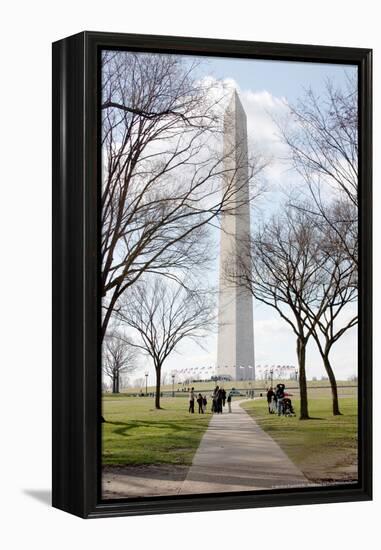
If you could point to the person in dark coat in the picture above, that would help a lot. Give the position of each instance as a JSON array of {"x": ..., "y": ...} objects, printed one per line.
[
  {"x": 215, "y": 400},
  {"x": 204, "y": 403},
  {"x": 191, "y": 401},
  {"x": 219, "y": 401},
  {"x": 223, "y": 395},
  {"x": 199, "y": 401},
  {"x": 279, "y": 393},
  {"x": 270, "y": 394}
]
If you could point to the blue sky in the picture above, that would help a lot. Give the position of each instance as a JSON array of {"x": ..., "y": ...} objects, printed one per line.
[{"x": 279, "y": 78}]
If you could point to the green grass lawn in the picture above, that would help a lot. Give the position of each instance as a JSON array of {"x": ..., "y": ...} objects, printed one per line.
[
  {"x": 137, "y": 433},
  {"x": 325, "y": 447}
]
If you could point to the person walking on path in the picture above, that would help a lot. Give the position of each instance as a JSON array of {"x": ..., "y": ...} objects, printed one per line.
[
  {"x": 270, "y": 394},
  {"x": 199, "y": 401},
  {"x": 191, "y": 401},
  {"x": 219, "y": 401},
  {"x": 230, "y": 402},
  {"x": 223, "y": 396},
  {"x": 214, "y": 399}
]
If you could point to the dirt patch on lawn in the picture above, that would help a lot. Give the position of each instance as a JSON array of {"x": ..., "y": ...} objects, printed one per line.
[
  {"x": 142, "y": 480},
  {"x": 338, "y": 468}
]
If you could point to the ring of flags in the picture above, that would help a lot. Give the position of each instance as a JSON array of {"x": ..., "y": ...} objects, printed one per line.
[{"x": 263, "y": 372}]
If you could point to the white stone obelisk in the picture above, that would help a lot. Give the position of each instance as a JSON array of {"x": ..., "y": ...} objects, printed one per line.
[{"x": 235, "y": 354}]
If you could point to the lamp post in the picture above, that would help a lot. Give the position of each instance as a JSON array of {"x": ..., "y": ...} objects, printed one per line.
[
  {"x": 173, "y": 384},
  {"x": 271, "y": 376},
  {"x": 251, "y": 369},
  {"x": 146, "y": 375},
  {"x": 241, "y": 376}
]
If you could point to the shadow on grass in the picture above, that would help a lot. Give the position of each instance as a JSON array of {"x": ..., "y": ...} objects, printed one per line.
[{"x": 126, "y": 426}]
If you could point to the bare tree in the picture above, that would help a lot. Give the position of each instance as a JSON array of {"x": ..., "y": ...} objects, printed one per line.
[
  {"x": 339, "y": 276},
  {"x": 163, "y": 314},
  {"x": 164, "y": 177},
  {"x": 284, "y": 272},
  {"x": 119, "y": 357},
  {"x": 298, "y": 267},
  {"x": 322, "y": 135},
  {"x": 323, "y": 138}
]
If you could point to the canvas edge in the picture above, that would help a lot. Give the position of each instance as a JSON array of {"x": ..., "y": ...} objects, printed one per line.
[{"x": 76, "y": 433}]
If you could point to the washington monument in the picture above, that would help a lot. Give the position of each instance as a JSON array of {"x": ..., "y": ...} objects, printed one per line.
[{"x": 235, "y": 355}]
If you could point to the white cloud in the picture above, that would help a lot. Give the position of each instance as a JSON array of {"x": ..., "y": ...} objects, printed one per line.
[
  {"x": 265, "y": 327},
  {"x": 262, "y": 110}
]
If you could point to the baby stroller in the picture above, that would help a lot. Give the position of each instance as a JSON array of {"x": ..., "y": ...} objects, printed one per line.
[{"x": 288, "y": 409}]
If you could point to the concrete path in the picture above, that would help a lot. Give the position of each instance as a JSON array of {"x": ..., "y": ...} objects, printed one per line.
[{"x": 235, "y": 454}]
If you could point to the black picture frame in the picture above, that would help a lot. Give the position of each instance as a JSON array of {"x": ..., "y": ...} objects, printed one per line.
[{"x": 76, "y": 351}]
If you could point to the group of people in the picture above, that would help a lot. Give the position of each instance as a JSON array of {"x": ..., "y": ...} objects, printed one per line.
[
  {"x": 278, "y": 401},
  {"x": 219, "y": 399},
  {"x": 201, "y": 401}
]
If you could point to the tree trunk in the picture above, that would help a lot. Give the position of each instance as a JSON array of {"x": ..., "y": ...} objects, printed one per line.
[
  {"x": 301, "y": 351},
  {"x": 107, "y": 317},
  {"x": 158, "y": 386},
  {"x": 114, "y": 384},
  {"x": 332, "y": 380}
]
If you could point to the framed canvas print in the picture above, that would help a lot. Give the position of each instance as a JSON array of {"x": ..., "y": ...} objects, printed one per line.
[{"x": 212, "y": 274}]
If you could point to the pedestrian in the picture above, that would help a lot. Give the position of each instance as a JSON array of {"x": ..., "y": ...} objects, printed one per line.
[
  {"x": 191, "y": 401},
  {"x": 279, "y": 397},
  {"x": 223, "y": 396},
  {"x": 230, "y": 402},
  {"x": 219, "y": 401},
  {"x": 204, "y": 402},
  {"x": 270, "y": 394},
  {"x": 214, "y": 400},
  {"x": 199, "y": 401}
]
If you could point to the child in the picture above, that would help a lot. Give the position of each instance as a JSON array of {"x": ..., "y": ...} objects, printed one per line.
[
  {"x": 273, "y": 406},
  {"x": 230, "y": 402}
]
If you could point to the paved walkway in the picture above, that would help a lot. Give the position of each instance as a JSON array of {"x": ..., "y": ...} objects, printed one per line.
[{"x": 235, "y": 454}]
